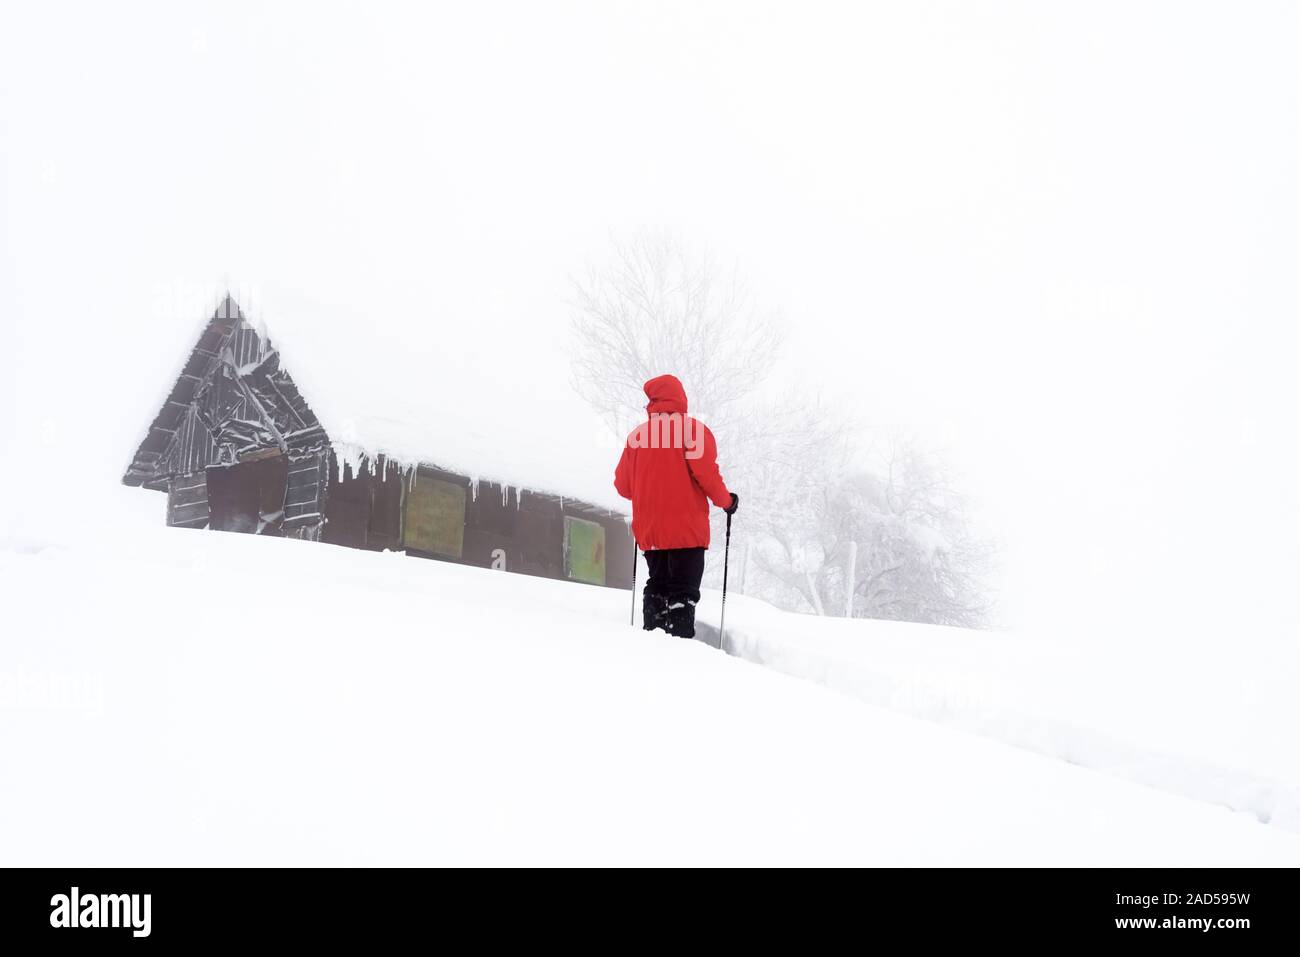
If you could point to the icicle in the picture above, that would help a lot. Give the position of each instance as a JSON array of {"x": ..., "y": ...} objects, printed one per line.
[{"x": 351, "y": 459}]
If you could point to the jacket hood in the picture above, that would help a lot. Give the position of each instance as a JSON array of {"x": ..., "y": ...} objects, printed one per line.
[{"x": 666, "y": 394}]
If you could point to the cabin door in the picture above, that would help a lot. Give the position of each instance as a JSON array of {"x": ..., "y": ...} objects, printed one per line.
[{"x": 249, "y": 497}]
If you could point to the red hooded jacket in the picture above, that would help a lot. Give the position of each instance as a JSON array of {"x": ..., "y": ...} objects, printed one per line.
[{"x": 669, "y": 470}]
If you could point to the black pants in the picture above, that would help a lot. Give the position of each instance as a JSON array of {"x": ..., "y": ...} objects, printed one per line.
[{"x": 672, "y": 590}]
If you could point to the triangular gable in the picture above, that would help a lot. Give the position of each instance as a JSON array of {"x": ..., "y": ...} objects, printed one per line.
[{"x": 231, "y": 400}]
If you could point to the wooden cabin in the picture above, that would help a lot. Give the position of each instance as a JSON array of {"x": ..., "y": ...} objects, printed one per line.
[{"x": 237, "y": 448}]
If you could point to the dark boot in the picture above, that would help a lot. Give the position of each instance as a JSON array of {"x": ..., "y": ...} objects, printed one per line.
[
  {"x": 654, "y": 611},
  {"x": 681, "y": 619}
]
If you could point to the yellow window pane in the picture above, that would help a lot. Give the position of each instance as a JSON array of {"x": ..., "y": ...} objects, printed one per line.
[{"x": 435, "y": 517}]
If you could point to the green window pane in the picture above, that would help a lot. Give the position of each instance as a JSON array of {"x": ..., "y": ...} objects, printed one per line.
[
  {"x": 435, "y": 517},
  {"x": 584, "y": 550}
]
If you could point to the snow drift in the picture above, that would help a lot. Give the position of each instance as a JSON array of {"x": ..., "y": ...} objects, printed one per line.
[{"x": 182, "y": 697}]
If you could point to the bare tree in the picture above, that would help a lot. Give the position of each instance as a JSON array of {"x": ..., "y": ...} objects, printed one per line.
[{"x": 657, "y": 307}]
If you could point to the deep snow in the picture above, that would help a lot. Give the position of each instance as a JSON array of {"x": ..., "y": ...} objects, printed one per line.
[
  {"x": 1212, "y": 723},
  {"x": 181, "y": 697}
]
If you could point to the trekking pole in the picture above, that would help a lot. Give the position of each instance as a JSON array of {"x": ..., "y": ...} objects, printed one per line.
[
  {"x": 632, "y": 619},
  {"x": 726, "y": 555}
]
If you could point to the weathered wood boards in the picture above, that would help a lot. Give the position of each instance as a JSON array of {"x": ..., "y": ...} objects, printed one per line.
[{"x": 187, "y": 500}]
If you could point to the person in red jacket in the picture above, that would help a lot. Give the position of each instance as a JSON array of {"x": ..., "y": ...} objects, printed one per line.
[{"x": 669, "y": 469}]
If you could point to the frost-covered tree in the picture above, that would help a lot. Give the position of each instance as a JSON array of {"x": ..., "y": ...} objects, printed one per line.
[
  {"x": 898, "y": 527},
  {"x": 655, "y": 307}
]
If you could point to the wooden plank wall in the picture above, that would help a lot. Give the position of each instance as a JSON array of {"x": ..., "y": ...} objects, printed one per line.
[
  {"x": 305, "y": 494},
  {"x": 151, "y": 462},
  {"x": 526, "y": 530},
  {"x": 187, "y": 500}
]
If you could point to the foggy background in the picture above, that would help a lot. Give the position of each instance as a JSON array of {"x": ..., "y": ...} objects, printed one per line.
[{"x": 1059, "y": 242}]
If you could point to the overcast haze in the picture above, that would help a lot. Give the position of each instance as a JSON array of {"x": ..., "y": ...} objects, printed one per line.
[{"x": 1061, "y": 244}]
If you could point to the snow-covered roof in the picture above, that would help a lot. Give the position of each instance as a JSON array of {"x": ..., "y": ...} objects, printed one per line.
[{"x": 425, "y": 391}]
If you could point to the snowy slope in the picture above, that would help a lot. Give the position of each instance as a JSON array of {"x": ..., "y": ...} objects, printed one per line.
[
  {"x": 179, "y": 697},
  {"x": 1207, "y": 721}
]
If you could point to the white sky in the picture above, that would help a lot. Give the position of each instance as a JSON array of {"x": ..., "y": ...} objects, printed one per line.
[{"x": 1059, "y": 238}]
